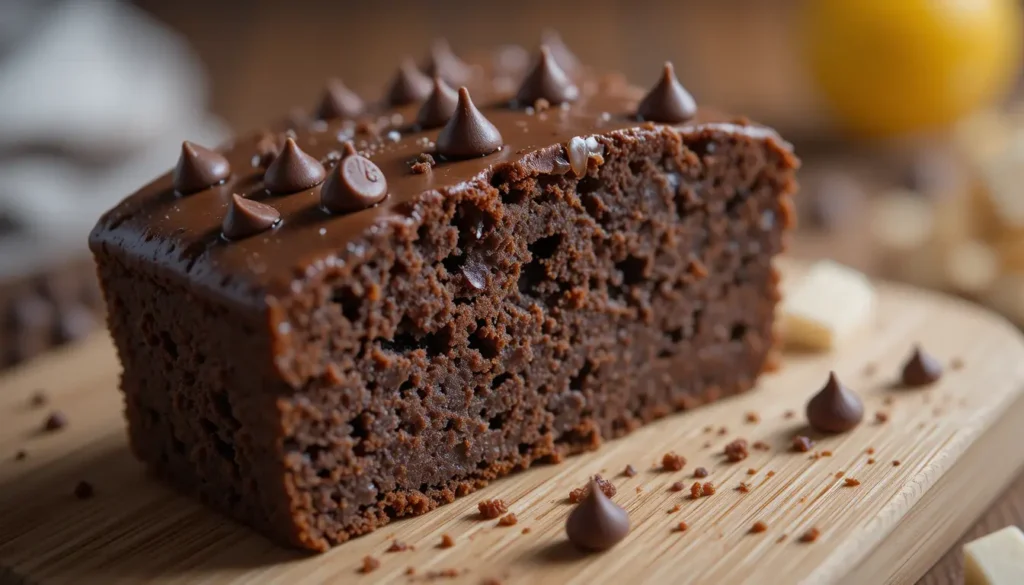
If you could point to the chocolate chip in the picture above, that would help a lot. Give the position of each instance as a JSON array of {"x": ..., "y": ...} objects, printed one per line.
[
  {"x": 443, "y": 62},
  {"x": 835, "y": 408},
  {"x": 468, "y": 134},
  {"x": 596, "y": 523},
  {"x": 667, "y": 102},
  {"x": 246, "y": 218},
  {"x": 267, "y": 148},
  {"x": 293, "y": 170},
  {"x": 199, "y": 168},
  {"x": 560, "y": 51},
  {"x": 55, "y": 422},
  {"x": 546, "y": 81},
  {"x": 38, "y": 399},
  {"x": 339, "y": 101},
  {"x": 439, "y": 107},
  {"x": 84, "y": 490},
  {"x": 355, "y": 183},
  {"x": 920, "y": 369},
  {"x": 409, "y": 86}
]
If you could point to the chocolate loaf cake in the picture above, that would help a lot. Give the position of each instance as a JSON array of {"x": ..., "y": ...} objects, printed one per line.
[{"x": 373, "y": 313}]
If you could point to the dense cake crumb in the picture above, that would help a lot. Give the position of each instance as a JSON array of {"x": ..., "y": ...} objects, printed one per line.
[
  {"x": 871, "y": 460},
  {"x": 84, "y": 490},
  {"x": 770, "y": 473},
  {"x": 696, "y": 490},
  {"x": 370, "y": 564},
  {"x": 629, "y": 471},
  {"x": 447, "y": 541},
  {"x": 761, "y": 446},
  {"x": 802, "y": 444},
  {"x": 410, "y": 570},
  {"x": 851, "y": 482},
  {"x": 722, "y": 431},
  {"x": 677, "y": 487},
  {"x": 607, "y": 487},
  {"x": 751, "y": 471},
  {"x": 881, "y": 417},
  {"x": 700, "y": 473},
  {"x": 682, "y": 526},
  {"x": 526, "y": 530},
  {"x": 736, "y": 450},
  {"x": 810, "y": 535},
  {"x": 896, "y": 463},
  {"x": 509, "y": 519},
  {"x": 675, "y": 508},
  {"x": 398, "y": 546},
  {"x": 839, "y": 474},
  {"x": 491, "y": 509},
  {"x": 758, "y": 527},
  {"x": 743, "y": 488},
  {"x": 753, "y": 417},
  {"x": 672, "y": 461}
]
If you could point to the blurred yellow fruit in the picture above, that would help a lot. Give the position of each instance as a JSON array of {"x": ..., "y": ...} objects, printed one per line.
[{"x": 888, "y": 67}]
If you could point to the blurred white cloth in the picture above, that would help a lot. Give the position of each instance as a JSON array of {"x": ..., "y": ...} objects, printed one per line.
[{"x": 94, "y": 103}]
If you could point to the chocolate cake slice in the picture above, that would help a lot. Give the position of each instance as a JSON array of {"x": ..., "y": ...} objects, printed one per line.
[{"x": 368, "y": 316}]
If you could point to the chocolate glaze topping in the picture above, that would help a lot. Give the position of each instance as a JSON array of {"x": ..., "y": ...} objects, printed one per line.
[
  {"x": 199, "y": 168},
  {"x": 546, "y": 81},
  {"x": 409, "y": 86},
  {"x": 246, "y": 217},
  {"x": 293, "y": 170},
  {"x": 835, "y": 408},
  {"x": 443, "y": 62},
  {"x": 439, "y": 107},
  {"x": 339, "y": 101},
  {"x": 185, "y": 231},
  {"x": 667, "y": 102},
  {"x": 468, "y": 133}
]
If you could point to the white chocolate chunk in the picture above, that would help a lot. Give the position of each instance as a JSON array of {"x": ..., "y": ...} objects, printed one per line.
[
  {"x": 827, "y": 305},
  {"x": 995, "y": 559},
  {"x": 1003, "y": 176}
]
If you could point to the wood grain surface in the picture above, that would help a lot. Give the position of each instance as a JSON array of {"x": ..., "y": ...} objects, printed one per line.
[{"x": 889, "y": 529}]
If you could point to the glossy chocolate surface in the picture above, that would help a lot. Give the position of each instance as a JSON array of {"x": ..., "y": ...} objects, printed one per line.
[{"x": 182, "y": 232}]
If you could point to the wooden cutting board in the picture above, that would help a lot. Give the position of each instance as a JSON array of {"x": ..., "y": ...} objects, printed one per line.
[{"x": 957, "y": 444}]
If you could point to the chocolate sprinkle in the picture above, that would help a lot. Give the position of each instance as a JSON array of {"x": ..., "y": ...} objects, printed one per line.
[
  {"x": 293, "y": 170},
  {"x": 920, "y": 369},
  {"x": 409, "y": 86},
  {"x": 468, "y": 134},
  {"x": 667, "y": 102},
  {"x": 596, "y": 523},
  {"x": 835, "y": 408},
  {"x": 439, "y": 107},
  {"x": 444, "y": 63},
  {"x": 354, "y": 184},
  {"x": 546, "y": 81},
  {"x": 246, "y": 218},
  {"x": 199, "y": 168},
  {"x": 339, "y": 101}
]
